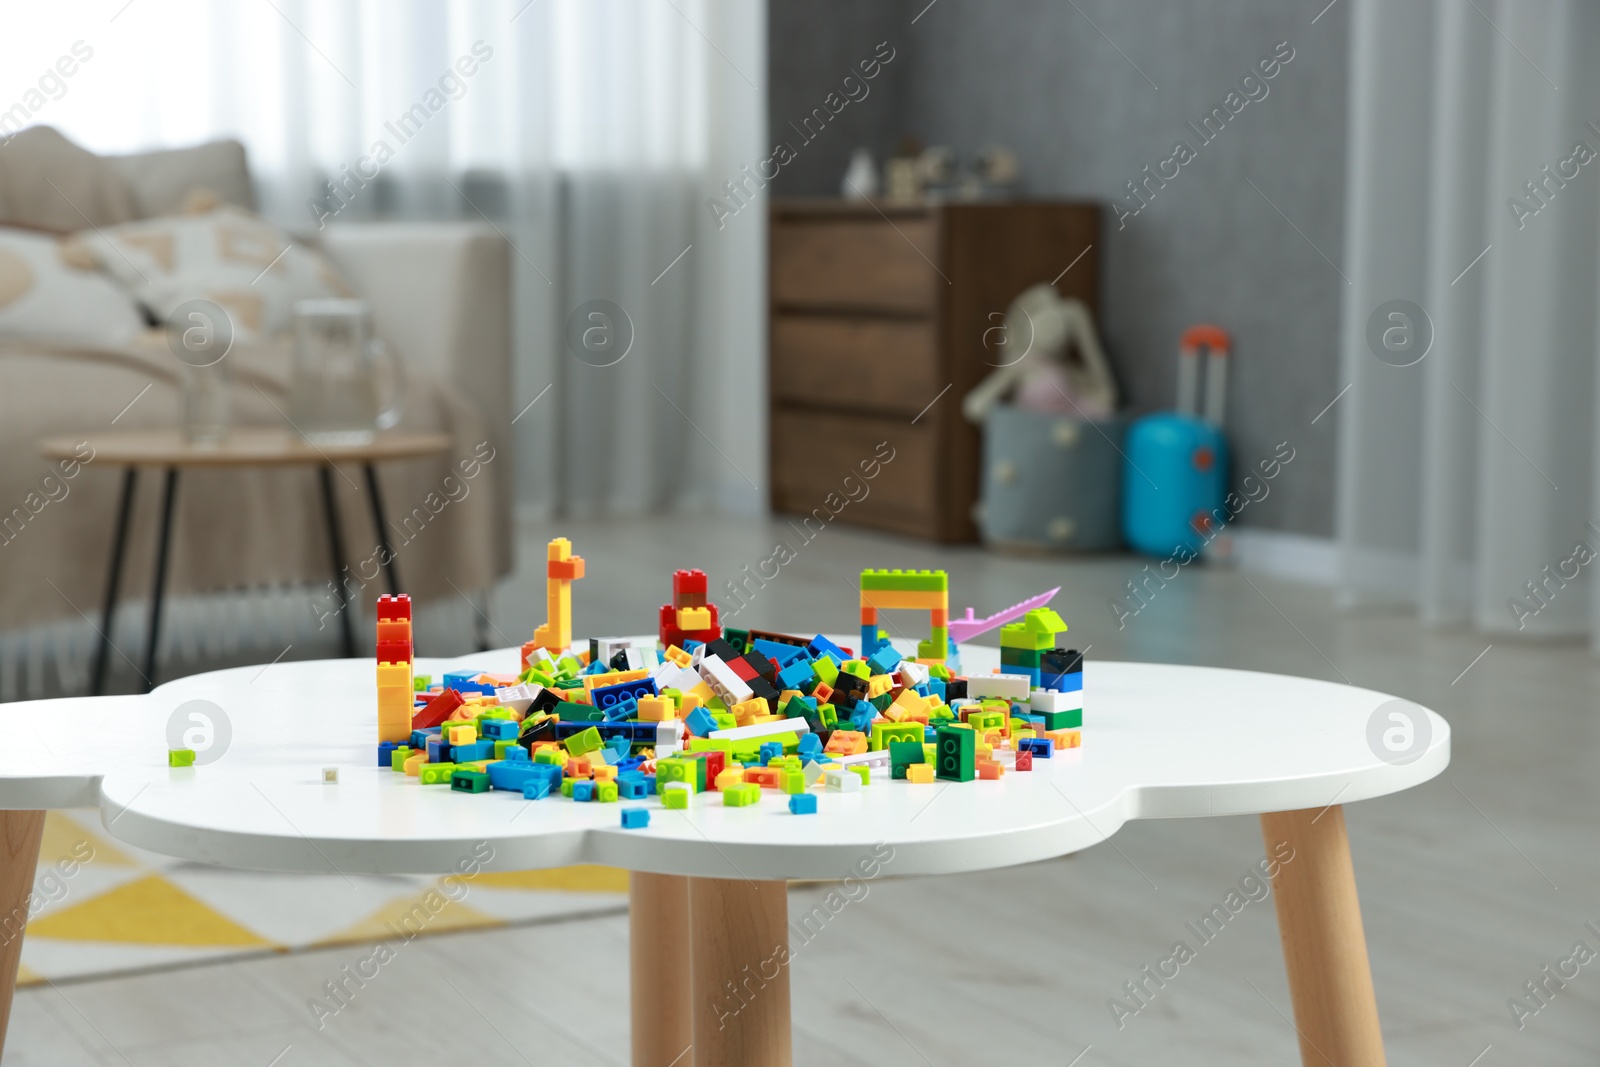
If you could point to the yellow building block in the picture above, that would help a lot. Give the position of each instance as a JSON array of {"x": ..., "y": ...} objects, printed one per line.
[
  {"x": 394, "y": 676},
  {"x": 678, "y": 656},
  {"x": 414, "y": 764},
  {"x": 744, "y": 714},
  {"x": 657, "y": 709},
  {"x": 920, "y": 773},
  {"x": 879, "y": 684},
  {"x": 592, "y": 682},
  {"x": 694, "y": 618},
  {"x": 905, "y": 599},
  {"x": 729, "y": 778},
  {"x": 462, "y": 735}
]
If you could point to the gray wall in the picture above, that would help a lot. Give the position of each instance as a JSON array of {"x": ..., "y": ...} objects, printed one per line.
[{"x": 1036, "y": 75}]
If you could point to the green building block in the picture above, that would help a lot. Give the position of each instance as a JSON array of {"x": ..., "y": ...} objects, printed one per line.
[
  {"x": 903, "y": 754},
  {"x": 906, "y": 581},
  {"x": 882, "y": 701},
  {"x": 436, "y": 773},
  {"x": 676, "y": 769},
  {"x": 792, "y": 780},
  {"x": 741, "y": 796},
  {"x": 571, "y": 712},
  {"x": 885, "y": 732},
  {"x": 421, "y": 682},
  {"x": 863, "y": 772},
  {"x": 605, "y": 792},
  {"x": 724, "y": 720},
  {"x": 710, "y": 744},
  {"x": 398, "y": 757},
  {"x": 566, "y": 787},
  {"x": 739, "y": 639},
  {"x": 550, "y": 755},
  {"x": 857, "y": 667},
  {"x": 1021, "y": 657},
  {"x": 469, "y": 781},
  {"x": 937, "y": 646},
  {"x": 180, "y": 757},
  {"x": 825, "y": 669},
  {"x": 829, "y": 715},
  {"x": 957, "y": 754},
  {"x": 1063, "y": 720},
  {"x": 986, "y": 720},
  {"x": 581, "y": 744},
  {"x": 675, "y": 799}
]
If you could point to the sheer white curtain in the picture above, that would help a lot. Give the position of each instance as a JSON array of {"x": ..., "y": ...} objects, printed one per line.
[
  {"x": 591, "y": 132},
  {"x": 1468, "y": 479}
]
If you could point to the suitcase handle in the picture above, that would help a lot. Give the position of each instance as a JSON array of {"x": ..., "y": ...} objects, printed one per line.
[{"x": 1214, "y": 339}]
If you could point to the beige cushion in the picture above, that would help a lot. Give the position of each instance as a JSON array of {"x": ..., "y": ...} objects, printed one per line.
[
  {"x": 42, "y": 298},
  {"x": 49, "y": 182},
  {"x": 250, "y": 267},
  {"x": 163, "y": 180}
]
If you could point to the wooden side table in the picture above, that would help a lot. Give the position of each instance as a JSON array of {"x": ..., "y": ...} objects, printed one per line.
[{"x": 244, "y": 447}]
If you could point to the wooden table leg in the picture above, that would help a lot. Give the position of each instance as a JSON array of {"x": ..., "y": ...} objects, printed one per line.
[
  {"x": 1324, "y": 947},
  {"x": 658, "y": 942},
  {"x": 740, "y": 932},
  {"x": 20, "y": 832}
]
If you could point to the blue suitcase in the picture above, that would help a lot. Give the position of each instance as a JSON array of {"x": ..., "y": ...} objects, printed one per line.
[{"x": 1175, "y": 476}]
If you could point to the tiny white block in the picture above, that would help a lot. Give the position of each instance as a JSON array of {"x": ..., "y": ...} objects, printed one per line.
[
  {"x": 678, "y": 785},
  {"x": 763, "y": 729},
  {"x": 1005, "y": 686},
  {"x": 914, "y": 674},
  {"x": 518, "y": 697},
  {"x": 812, "y": 770},
  {"x": 330, "y": 775},
  {"x": 1050, "y": 700},
  {"x": 839, "y": 780}
]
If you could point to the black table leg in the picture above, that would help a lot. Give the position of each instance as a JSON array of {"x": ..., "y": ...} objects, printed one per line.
[
  {"x": 389, "y": 570},
  {"x": 169, "y": 491},
  {"x": 108, "y": 610},
  {"x": 336, "y": 548}
]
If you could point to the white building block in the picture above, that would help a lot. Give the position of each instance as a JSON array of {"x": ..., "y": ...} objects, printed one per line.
[
  {"x": 1004, "y": 686},
  {"x": 727, "y": 685},
  {"x": 763, "y": 729},
  {"x": 1050, "y": 700}
]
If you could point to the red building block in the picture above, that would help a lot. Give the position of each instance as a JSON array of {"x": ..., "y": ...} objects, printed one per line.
[{"x": 437, "y": 710}]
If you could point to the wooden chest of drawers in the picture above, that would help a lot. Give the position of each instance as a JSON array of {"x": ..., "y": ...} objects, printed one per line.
[{"x": 882, "y": 319}]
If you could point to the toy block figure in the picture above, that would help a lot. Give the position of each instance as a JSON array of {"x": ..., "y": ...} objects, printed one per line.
[
  {"x": 920, "y": 590},
  {"x": 562, "y": 568},
  {"x": 396, "y": 684},
  {"x": 690, "y": 616}
]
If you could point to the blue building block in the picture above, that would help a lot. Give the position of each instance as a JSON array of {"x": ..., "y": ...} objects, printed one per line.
[
  {"x": 510, "y": 775},
  {"x": 549, "y": 773},
  {"x": 700, "y": 722},
  {"x": 471, "y": 753},
  {"x": 517, "y": 754},
  {"x": 810, "y": 745},
  {"x": 872, "y": 639},
  {"x": 536, "y": 788},
  {"x": 650, "y": 783},
  {"x": 797, "y": 676},
  {"x": 386, "y": 753},
  {"x": 631, "y": 787},
  {"x": 419, "y": 738},
  {"x": 635, "y": 818},
  {"x": 1041, "y": 747},
  {"x": 803, "y": 804},
  {"x": 622, "y": 710},
  {"x": 769, "y": 751},
  {"x": 629, "y": 764},
  {"x": 461, "y": 682},
  {"x": 606, "y": 695},
  {"x": 779, "y": 653},
  {"x": 583, "y": 791},
  {"x": 498, "y": 729},
  {"x": 935, "y": 688},
  {"x": 821, "y": 646},
  {"x": 884, "y": 659},
  {"x": 439, "y": 750}
]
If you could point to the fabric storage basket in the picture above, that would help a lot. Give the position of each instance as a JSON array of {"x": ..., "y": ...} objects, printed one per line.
[{"x": 1051, "y": 482}]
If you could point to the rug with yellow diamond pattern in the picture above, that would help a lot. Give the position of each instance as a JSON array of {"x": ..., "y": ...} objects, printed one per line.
[{"x": 101, "y": 907}]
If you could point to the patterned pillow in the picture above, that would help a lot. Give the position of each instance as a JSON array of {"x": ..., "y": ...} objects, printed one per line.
[
  {"x": 226, "y": 254},
  {"x": 44, "y": 298}
]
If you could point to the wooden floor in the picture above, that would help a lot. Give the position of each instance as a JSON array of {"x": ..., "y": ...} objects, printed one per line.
[{"x": 1471, "y": 884}]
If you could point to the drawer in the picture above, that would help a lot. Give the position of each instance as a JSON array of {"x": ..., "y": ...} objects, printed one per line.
[
  {"x": 817, "y": 472},
  {"x": 860, "y": 364},
  {"x": 856, "y": 264}
]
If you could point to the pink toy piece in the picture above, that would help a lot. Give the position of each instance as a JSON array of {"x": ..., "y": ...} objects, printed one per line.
[{"x": 966, "y": 628}]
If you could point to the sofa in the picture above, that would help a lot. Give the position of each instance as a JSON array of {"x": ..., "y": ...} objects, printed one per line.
[{"x": 440, "y": 296}]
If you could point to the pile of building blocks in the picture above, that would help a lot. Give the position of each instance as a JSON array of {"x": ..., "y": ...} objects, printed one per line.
[{"x": 722, "y": 710}]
